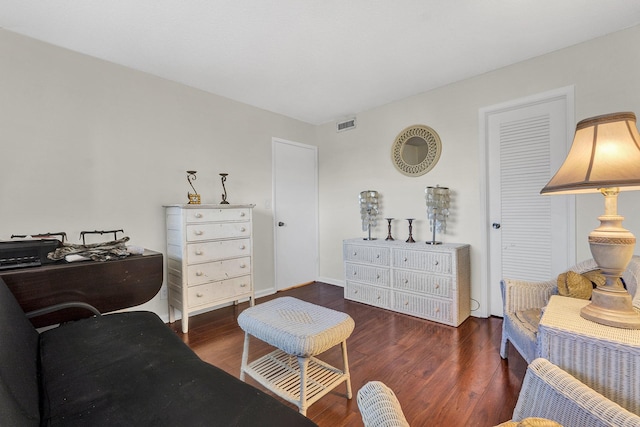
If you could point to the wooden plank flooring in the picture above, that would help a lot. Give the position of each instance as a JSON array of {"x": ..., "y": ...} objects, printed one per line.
[{"x": 443, "y": 376}]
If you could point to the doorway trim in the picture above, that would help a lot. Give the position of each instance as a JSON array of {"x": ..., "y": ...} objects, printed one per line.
[
  {"x": 484, "y": 113},
  {"x": 274, "y": 142}
]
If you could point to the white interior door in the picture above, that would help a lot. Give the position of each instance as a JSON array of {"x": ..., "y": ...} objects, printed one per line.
[
  {"x": 530, "y": 236},
  {"x": 295, "y": 205}
]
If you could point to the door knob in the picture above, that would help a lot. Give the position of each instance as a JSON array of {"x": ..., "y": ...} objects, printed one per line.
[
  {"x": 496, "y": 225},
  {"x": 280, "y": 224}
]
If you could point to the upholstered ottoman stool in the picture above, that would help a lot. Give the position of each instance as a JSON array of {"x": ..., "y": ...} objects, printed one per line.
[{"x": 300, "y": 331}]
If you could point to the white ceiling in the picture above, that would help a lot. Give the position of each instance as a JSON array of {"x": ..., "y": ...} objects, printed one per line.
[{"x": 316, "y": 60}]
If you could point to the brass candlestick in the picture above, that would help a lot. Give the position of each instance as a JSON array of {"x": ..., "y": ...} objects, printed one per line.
[{"x": 194, "y": 198}]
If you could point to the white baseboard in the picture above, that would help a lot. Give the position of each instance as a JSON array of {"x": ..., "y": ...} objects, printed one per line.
[
  {"x": 165, "y": 317},
  {"x": 331, "y": 281},
  {"x": 258, "y": 294},
  {"x": 265, "y": 292}
]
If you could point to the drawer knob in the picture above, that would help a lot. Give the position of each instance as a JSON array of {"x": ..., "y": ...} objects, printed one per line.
[
  {"x": 437, "y": 309},
  {"x": 377, "y": 276},
  {"x": 198, "y": 252},
  {"x": 437, "y": 286},
  {"x": 242, "y": 214},
  {"x": 242, "y": 247},
  {"x": 377, "y": 255},
  {"x": 243, "y": 229},
  {"x": 355, "y": 273},
  {"x": 406, "y": 280},
  {"x": 379, "y": 296},
  {"x": 406, "y": 303},
  {"x": 199, "y": 295},
  {"x": 243, "y": 265},
  {"x": 405, "y": 259},
  {"x": 198, "y": 273},
  {"x": 198, "y": 215},
  {"x": 355, "y": 292},
  {"x": 355, "y": 253},
  {"x": 199, "y": 232},
  {"x": 435, "y": 263},
  {"x": 243, "y": 285}
]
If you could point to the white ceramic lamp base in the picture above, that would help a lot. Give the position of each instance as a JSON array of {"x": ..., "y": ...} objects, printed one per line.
[{"x": 612, "y": 248}]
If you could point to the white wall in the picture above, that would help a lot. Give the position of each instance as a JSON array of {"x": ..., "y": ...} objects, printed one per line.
[
  {"x": 606, "y": 75},
  {"x": 86, "y": 144}
]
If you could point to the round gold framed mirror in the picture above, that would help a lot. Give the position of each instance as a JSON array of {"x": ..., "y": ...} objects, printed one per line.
[{"x": 416, "y": 150}]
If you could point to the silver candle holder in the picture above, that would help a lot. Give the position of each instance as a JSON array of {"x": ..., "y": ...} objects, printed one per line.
[
  {"x": 368, "y": 211},
  {"x": 437, "y": 210}
]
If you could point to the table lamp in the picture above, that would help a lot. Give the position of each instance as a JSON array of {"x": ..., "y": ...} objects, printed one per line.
[
  {"x": 437, "y": 210},
  {"x": 368, "y": 210},
  {"x": 605, "y": 158}
]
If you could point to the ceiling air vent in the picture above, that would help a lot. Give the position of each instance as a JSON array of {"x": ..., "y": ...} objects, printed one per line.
[{"x": 346, "y": 125}]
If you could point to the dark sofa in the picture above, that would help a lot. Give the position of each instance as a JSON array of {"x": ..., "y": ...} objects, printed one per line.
[{"x": 124, "y": 369}]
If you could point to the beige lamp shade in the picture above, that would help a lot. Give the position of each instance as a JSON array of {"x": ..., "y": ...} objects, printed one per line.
[{"x": 605, "y": 153}]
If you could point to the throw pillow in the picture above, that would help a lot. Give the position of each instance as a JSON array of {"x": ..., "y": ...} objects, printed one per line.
[
  {"x": 538, "y": 422},
  {"x": 531, "y": 422},
  {"x": 530, "y": 319}
]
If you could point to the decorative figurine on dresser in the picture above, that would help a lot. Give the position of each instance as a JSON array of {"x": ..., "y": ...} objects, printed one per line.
[
  {"x": 431, "y": 282},
  {"x": 209, "y": 257}
]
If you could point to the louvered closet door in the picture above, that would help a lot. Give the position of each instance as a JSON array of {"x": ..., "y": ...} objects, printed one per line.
[{"x": 529, "y": 232}]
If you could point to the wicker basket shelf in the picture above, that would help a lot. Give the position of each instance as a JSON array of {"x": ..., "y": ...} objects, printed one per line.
[{"x": 280, "y": 373}]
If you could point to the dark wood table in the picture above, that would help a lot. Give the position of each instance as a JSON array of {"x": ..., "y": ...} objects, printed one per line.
[{"x": 108, "y": 285}]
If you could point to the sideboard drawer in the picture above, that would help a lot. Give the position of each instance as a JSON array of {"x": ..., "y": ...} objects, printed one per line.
[
  {"x": 217, "y": 270},
  {"x": 367, "y": 274},
  {"x": 423, "y": 283},
  {"x": 435, "y": 262},
  {"x": 224, "y": 289},
  {"x": 369, "y": 255},
  {"x": 210, "y": 215},
  {"x": 208, "y": 251},
  {"x": 421, "y": 306},
  {"x": 379, "y": 297},
  {"x": 428, "y": 281},
  {"x": 223, "y": 230}
]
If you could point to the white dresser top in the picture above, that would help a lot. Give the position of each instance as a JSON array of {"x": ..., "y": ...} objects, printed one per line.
[
  {"x": 401, "y": 244},
  {"x": 209, "y": 206}
]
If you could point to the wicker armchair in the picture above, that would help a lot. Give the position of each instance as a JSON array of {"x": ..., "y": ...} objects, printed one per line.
[
  {"x": 547, "y": 393},
  {"x": 379, "y": 406},
  {"x": 551, "y": 393},
  {"x": 523, "y": 301}
]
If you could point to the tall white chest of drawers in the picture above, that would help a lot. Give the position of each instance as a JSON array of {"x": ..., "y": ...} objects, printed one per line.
[
  {"x": 427, "y": 281},
  {"x": 209, "y": 257}
]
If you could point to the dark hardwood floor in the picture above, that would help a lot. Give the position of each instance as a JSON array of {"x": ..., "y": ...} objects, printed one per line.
[{"x": 442, "y": 376}]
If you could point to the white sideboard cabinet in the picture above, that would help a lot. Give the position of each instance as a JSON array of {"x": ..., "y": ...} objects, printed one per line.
[
  {"x": 209, "y": 257},
  {"x": 427, "y": 281}
]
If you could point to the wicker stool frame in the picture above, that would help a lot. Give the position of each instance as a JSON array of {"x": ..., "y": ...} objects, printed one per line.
[{"x": 299, "y": 330}]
